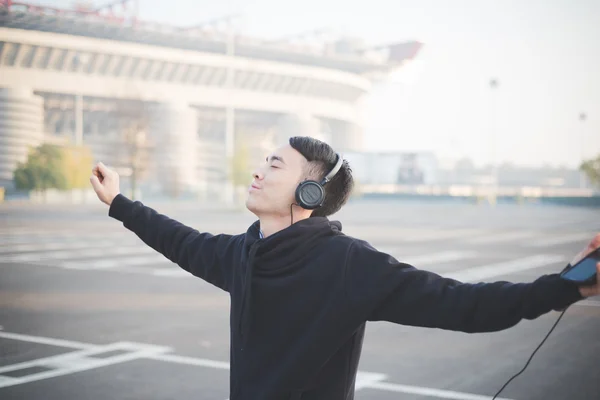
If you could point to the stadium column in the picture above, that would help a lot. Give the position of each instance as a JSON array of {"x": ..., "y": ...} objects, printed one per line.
[
  {"x": 21, "y": 128},
  {"x": 173, "y": 129}
]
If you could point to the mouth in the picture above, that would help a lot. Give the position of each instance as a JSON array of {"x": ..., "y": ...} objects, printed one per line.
[{"x": 253, "y": 187}]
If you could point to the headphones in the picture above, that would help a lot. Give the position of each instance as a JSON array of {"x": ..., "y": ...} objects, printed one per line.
[{"x": 311, "y": 194}]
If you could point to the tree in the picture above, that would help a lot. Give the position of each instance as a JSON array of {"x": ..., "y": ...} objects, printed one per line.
[
  {"x": 77, "y": 162},
  {"x": 592, "y": 169},
  {"x": 43, "y": 170},
  {"x": 238, "y": 169},
  {"x": 239, "y": 165}
]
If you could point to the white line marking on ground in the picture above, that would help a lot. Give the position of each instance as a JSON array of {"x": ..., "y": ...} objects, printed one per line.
[
  {"x": 14, "y": 230},
  {"x": 38, "y": 236},
  {"x": 503, "y": 268},
  {"x": 75, "y": 362},
  {"x": 115, "y": 263},
  {"x": 18, "y": 231},
  {"x": 54, "y": 360},
  {"x": 441, "y": 234},
  {"x": 173, "y": 272},
  {"x": 44, "y": 237},
  {"x": 57, "y": 246},
  {"x": 46, "y": 340},
  {"x": 561, "y": 239},
  {"x": 588, "y": 303},
  {"x": 74, "y": 254},
  {"x": 501, "y": 237},
  {"x": 4, "y": 380},
  {"x": 437, "y": 258},
  {"x": 134, "y": 265},
  {"x": 364, "y": 379},
  {"x": 423, "y": 391},
  {"x": 199, "y": 362}
]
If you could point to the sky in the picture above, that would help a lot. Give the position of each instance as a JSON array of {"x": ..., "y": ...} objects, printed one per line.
[{"x": 545, "y": 55}]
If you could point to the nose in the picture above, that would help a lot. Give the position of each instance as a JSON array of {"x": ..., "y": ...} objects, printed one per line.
[{"x": 258, "y": 174}]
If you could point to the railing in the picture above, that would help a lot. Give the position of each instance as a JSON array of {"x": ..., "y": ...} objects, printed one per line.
[{"x": 478, "y": 191}]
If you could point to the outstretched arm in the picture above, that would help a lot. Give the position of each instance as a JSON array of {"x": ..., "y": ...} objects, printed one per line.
[
  {"x": 383, "y": 289},
  {"x": 204, "y": 255}
]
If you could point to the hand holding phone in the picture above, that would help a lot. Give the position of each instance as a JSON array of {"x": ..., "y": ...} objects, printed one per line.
[{"x": 584, "y": 270}]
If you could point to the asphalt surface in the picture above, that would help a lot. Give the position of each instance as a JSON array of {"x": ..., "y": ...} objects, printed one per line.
[{"x": 88, "y": 312}]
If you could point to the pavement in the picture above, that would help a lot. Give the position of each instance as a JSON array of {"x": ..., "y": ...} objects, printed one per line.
[{"x": 87, "y": 311}]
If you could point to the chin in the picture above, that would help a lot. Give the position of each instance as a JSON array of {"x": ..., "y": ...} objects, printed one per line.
[{"x": 251, "y": 206}]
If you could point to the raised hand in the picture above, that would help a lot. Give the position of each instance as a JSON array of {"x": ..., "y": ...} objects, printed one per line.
[{"x": 105, "y": 182}]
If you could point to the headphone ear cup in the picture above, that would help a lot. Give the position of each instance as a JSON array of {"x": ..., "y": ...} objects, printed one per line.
[{"x": 310, "y": 195}]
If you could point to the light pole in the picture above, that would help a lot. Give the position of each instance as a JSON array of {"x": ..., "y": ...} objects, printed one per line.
[
  {"x": 229, "y": 86},
  {"x": 582, "y": 118},
  {"x": 81, "y": 62},
  {"x": 494, "y": 172},
  {"x": 78, "y": 120},
  {"x": 230, "y": 111}
]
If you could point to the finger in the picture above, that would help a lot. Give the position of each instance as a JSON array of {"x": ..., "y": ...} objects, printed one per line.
[
  {"x": 595, "y": 242},
  {"x": 580, "y": 256},
  {"x": 103, "y": 169},
  {"x": 98, "y": 174},
  {"x": 96, "y": 183}
]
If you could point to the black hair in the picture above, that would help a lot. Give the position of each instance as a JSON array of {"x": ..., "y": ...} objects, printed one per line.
[{"x": 321, "y": 159}]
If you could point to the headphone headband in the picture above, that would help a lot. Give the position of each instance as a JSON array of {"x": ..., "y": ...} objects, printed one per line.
[{"x": 335, "y": 169}]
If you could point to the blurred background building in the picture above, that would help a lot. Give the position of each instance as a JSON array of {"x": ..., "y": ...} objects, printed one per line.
[{"x": 194, "y": 97}]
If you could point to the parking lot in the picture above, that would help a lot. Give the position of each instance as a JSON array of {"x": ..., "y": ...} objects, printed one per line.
[{"x": 87, "y": 311}]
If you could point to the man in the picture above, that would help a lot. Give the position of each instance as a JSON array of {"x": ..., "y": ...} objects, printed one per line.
[{"x": 302, "y": 291}]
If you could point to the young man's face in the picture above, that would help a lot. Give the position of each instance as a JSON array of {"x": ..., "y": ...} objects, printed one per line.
[{"x": 275, "y": 181}]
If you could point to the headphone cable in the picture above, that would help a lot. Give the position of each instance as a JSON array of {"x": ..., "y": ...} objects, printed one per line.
[{"x": 533, "y": 354}]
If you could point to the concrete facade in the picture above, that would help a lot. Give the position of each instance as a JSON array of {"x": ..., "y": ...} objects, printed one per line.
[{"x": 189, "y": 97}]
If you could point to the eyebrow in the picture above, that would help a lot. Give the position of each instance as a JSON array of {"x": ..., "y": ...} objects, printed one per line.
[{"x": 276, "y": 158}]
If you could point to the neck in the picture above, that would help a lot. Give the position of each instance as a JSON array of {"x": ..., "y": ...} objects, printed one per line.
[{"x": 271, "y": 224}]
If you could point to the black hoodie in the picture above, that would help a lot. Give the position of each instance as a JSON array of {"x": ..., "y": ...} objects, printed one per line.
[{"x": 301, "y": 297}]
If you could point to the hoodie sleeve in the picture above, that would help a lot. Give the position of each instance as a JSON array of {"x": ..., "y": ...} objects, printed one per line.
[
  {"x": 381, "y": 288},
  {"x": 202, "y": 254}
]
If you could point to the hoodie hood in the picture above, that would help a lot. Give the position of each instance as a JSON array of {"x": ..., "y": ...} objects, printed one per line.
[
  {"x": 279, "y": 254},
  {"x": 290, "y": 243}
]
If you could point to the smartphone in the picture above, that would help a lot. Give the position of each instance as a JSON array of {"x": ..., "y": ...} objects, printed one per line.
[{"x": 584, "y": 272}]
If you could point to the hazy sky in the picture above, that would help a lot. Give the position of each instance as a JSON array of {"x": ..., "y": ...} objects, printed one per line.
[{"x": 544, "y": 53}]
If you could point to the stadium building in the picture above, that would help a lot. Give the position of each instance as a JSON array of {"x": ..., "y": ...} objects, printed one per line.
[{"x": 192, "y": 97}]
